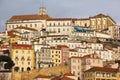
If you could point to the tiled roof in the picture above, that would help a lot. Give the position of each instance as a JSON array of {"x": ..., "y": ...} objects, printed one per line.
[
  {"x": 62, "y": 46},
  {"x": 29, "y": 17},
  {"x": 69, "y": 74},
  {"x": 42, "y": 76},
  {"x": 22, "y": 27},
  {"x": 108, "y": 47},
  {"x": 59, "y": 19},
  {"x": 100, "y": 15},
  {"x": 93, "y": 56},
  {"x": 66, "y": 78},
  {"x": 21, "y": 46},
  {"x": 75, "y": 57},
  {"x": 102, "y": 69},
  {"x": 73, "y": 50}
]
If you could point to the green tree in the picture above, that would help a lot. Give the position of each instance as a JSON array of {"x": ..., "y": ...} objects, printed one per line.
[{"x": 7, "y": 59}]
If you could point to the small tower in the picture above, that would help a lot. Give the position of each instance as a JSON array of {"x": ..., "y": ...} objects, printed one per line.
[{"x": 42, "y": 11}]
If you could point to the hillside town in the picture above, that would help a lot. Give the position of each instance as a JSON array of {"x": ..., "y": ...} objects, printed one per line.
[{"x": 42, "y": 47}]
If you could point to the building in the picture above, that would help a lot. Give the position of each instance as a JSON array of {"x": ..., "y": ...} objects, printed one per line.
[
  {"x": 73, "y": 52},
  {"x": 114, "y": 31},
  {"x": 102, "y": 73},
  {"x": 76, "y": 67},
  {"x": 80, "y": 64},
  {"x": 36, "y": 21},
  {"x": 56, "y": 56},
  {"x": 23, "y": 57},
  {"x": 64, "y": 53},
  {"x": 42, "y": 77},
  {"x": 98, "y": 22}
]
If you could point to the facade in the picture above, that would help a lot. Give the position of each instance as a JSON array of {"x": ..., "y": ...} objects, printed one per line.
[
  {"x": 80, "y": 64},
  {"x": 114, "y": 31},
  {"x": 73, "y": 52},
  {"x": 42, "y": 77},
  {"x": 76, "y": 67},
  {"x": 56, "y": 56},
  {"x": 22, "y": 56},
  {"x": 102, "y": 73},
  {"x": 64, "y": 53},
  {"x": 36, "y": 21}
]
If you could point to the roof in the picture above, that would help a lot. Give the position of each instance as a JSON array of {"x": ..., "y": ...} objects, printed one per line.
[
  {"x": 29, "y": 17},
  {"x": 21, "y": 46},
  {"x": 102, "y": 69},
  {"x": 73, "y": 50},
  {"x": 93, "y": 56},
  {"x": 22, "y": 27},
  {"x": 59, "y": 19},
  {"x": 66, "y": 78},
  {"x": 42, "y": 76},
  {"x": 99, "y": 15},
  {"x": 62, "y": 46},
  {"x": 69, "y": 74},
  {"x": 76, "y": 57}
]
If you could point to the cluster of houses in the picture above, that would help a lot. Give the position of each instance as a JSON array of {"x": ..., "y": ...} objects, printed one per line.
[{"x": 85, "y": 44}]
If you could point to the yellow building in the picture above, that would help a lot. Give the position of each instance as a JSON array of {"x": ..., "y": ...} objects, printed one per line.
[
  {"x": 14, "y": 39},
  {"x": 101, "y": 21},
  {"x": 23, "y": 57},
  {"x": 102, "y": 73},
  {"x": 98, "y": 22},
  {"x": 56, "y": 56}
]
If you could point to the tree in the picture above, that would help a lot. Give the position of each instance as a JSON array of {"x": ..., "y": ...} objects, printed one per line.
[
  {"x": 117, "y": 61},
  {"x": 9, "y": 65},
  {"x": 7, "y": 59}
]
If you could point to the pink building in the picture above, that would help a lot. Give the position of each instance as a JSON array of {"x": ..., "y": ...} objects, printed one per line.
[{"x": 65, "y": 53}]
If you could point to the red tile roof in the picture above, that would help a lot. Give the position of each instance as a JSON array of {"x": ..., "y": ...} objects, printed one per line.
[
  {"x": 29, "y": 17},
  {"x": 59, "y": 19},
  {"x": 66, "y": 78},
  {"x": 69, "y": 74},
  {"x": 73, "y": 50},
  {"x": 102, "y": 69},
  {"x": 42, "y": 76},
  {"x": 93, "y": 56},
  {"x": 62, "y": 46},
  {"x": 21, "y": 46}
]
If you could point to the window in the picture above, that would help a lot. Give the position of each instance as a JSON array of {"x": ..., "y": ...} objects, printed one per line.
[
  {"x": 28, "y": 63},
  {"x": 12, "y": 26},
  {"x": 35, "y": 25},
  {"x": 30, "y": 25},
  {"x": 22, "y": 51},
  {"x": 26, "y": 25},
  {"x": 16, "y": 58},
  {"x": 59, "y": 30},
  {"x": 9, "y": 26},
  {"x": 58, "y": 24},
  {"x": 78, "y": 73},
  {"x": 16, "y": 51},
  {"x": 49, "y": 24}
]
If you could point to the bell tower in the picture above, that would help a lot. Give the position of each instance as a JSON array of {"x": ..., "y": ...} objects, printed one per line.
[{"x": 42, "y": 11}]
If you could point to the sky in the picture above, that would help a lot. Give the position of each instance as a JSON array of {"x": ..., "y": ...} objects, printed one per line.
[{"x": 59, "y": 8}]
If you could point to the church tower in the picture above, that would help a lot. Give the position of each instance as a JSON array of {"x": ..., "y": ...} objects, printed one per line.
[{"x": 42, "y": 11}]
